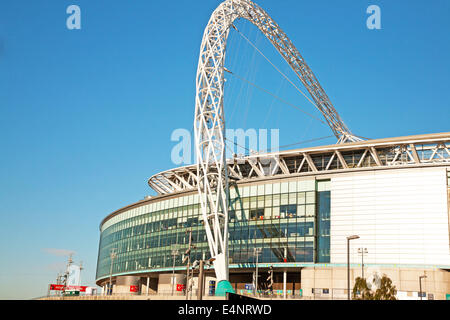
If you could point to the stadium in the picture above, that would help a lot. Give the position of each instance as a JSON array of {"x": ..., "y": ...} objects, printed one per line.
[{"x": 378, "y": 207}]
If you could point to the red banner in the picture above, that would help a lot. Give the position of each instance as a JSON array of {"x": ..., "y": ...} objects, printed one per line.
[{"x": 59, "y": 287}]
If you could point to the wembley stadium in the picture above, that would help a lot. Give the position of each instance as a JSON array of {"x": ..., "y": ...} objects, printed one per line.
[{"x": 313, "y": 218}]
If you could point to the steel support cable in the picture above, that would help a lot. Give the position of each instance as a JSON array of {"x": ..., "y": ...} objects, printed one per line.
[
  {"x": 232, "y": 88},
  {"x": 243, "y": 94},
  {"x": 280, "y": 147},
  {"x": 276, "y": 68},
  {"x": 300, "y": 142},
  {"x": 275, "y": 96},
  {"x": 249, "y": 94},
  {"x": 279, "y": 90}
]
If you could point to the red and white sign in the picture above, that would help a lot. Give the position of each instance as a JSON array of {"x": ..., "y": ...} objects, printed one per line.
[
  {"x": 56, "y": 287},
  {"x": 180, "y": 287},
  {"x": 59, "y": 287},
  {"x": 134, "y": 288}
]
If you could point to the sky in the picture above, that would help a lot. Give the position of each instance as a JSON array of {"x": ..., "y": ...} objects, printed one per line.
[{"x": 87, "y": 115}]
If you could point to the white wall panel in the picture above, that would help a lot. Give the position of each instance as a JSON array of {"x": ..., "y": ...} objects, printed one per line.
[{"x": 401, "y": 216}]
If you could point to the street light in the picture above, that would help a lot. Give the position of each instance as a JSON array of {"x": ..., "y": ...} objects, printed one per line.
[
  {"x": 187, "y": 259},
  {"x": 362, "y": 251},
  {"x": 112, "y": 255},
  {"x": 420, "y": 285},
  {"x": 270, "y": 280},
  {"x": 256, "y": 251},
  {"x": 348, "y": 263},
  {"x": 174, "y": 253},
  {"x": 201, "y": 283}
]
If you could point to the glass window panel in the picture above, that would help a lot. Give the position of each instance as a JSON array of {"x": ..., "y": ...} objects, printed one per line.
[
  {"x": 268, "y": 189},
  {"x": 311, "y": 197},
  {"x": 268, "y": 201},
  {"x": 232, "y": 215},
  {"x": 246, "y": 203},
  {"x": 246, "y": 214},
  {"x": 300, "y": 211},
  {"x": 245, "y": 192},
  {"x": 293, "y": 186},
  {"x": 276, "y": 212},
  {"x": 284, "y": 187},
  {"x": 292, "y": 198},
  {"x": 276, "y": 200},
  {"x": 261, "y": 189},
  {"x": 253, "y": 191},
  {"x": 260, "y": 201},
  {"x": 306, "y": 185},
  {"x": 257, "y": 214},
  {"x": 267, "y": 213},
  {"x": 288, "y": 211},
  {"x": 301, "y": 198},
  {"x": 276, "y": 188},
  {"x": 253, "y": 202},
  {"x": 310, "y": 210},
  {"x": 284, "y": 199}
]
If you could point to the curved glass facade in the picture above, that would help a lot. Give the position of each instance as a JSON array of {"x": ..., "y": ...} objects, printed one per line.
[{"x": 288, "y": 221}]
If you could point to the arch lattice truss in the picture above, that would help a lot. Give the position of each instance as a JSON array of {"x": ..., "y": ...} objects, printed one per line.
[{"x": 209, "y": 123}]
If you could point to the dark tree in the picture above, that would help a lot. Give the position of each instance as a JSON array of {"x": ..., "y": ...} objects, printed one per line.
[
  {"x": 361, "y": 291},
  {"x": 386, "y": 291}
]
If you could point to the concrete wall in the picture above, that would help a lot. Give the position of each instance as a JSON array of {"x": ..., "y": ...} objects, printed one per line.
[
  {"x": 123, "y": 284},
  {"x": 165, "y": 283},
  {"x": 406, "y": 281},
  {"x": 401, "y": 216}
]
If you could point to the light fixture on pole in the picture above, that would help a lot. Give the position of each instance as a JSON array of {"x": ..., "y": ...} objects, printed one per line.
[
  {"x": 201, "y": 281},
  {"x": 187, "y": 258},
  {"x": 362, "y": 251},
  {"x": 112, "y": 255},
  {"x": 174, "y": 254},
  {"x": 256, "y": 251},
  {"x": 348, "y": 263}
]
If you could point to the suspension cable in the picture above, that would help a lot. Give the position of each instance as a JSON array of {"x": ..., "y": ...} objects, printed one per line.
[
  {"x": 274, "y": 95},
  {"x": 280, "y": 147},
  {"x": 300, "y": 142},
  {"x": 273, "y": 65}
]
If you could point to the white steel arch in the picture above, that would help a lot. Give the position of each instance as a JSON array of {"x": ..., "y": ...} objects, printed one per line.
[{"x": 209, "y": 122}]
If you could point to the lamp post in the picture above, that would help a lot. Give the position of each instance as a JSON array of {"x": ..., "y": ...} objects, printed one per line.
[
  {"x": 201, "y": 276},
  {"x": 420, "y": 285},
  {"x": 187, "y": 258},
  {"x": 174, "y": 253},
  {"x": 112, "y": 255},
  {"x": 362, "y": 251},
  {"x": 348, "y": 263},
  {"x": 256, "y": 251}
]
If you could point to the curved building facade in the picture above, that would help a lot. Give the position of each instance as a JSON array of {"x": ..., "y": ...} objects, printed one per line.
[{"x": 293, "y": 211}]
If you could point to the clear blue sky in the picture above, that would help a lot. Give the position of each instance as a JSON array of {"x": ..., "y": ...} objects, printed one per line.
[{"x": 86, "y": 115}]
